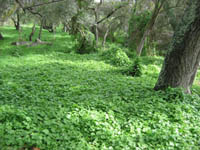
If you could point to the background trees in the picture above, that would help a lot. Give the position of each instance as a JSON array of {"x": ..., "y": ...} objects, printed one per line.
[
  {"x": 69, "y": 12},
  {"x": 131, "y": 23},
  {"x": 143, "y": 27},
  {"x": 6, "y": 10}
]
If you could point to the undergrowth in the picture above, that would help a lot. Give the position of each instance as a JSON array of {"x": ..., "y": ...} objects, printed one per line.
[
  {"x": 53, "y": 99},
  {"x": 116, "y": 56}
]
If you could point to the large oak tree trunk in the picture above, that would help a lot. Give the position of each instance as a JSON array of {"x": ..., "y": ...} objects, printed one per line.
[{"x": 183, "y": 58}]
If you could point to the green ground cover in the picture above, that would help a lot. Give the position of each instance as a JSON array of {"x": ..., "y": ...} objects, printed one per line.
[{"x": 54, "y": 99}]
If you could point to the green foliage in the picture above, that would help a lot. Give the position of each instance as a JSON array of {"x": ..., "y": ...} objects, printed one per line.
[
  {"x": 139, "y": 21},
  {"x": 149, "y": 48},
  {"x": 134, "y": 70},
  {"x": 137, "y": 24},
  {"x": 16, "y": 52},
  {"x": 120, "y": 37},
  {"x": 130, "y": 53},
  {"x": 55, "y": 100},
  {"x": 116, "y": 56},
  {"x": 173, "y": 94},
  {"x": 85, "y": 42}
]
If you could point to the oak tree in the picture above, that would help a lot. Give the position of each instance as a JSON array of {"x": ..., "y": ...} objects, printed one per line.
[{"x": 183, "y": 58}]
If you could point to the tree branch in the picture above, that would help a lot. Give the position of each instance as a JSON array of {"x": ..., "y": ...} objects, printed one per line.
[
  {"x": 110, "y": 14},
  {"x": 41, "y": 4},
  {"x": 29, "y": 9}
]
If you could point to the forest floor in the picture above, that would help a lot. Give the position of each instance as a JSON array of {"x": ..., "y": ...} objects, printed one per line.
[{"x": 54, "y": 99}]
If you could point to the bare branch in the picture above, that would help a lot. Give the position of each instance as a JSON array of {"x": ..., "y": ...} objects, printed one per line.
[
  {"x": 29, "y": 9},
  {"x": 110, "y": 14},
  {"x": 41, "y": 4}
]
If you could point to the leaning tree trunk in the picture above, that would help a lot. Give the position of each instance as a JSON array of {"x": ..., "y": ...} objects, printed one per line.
[
  {"x": 183, "y": 58},
  {"x": 150, "y": 24}
]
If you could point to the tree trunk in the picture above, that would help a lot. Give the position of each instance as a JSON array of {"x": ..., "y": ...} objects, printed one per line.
[
  {"x": 74, "y": 24},
  {"x": 96, "y": 26},
  {"x": 105, "y": 36},
  {"x": 96, "y": 14},
  {"x": 17, "y": 21},
  {"x": 1, "y": 36},
  {"x": 41, "y": 27},
  {"x": 183, "y": 58},
  {"x": 66, "y": 27},
  {"x": 32, "y": 33},
  {"x": 142, "y": 41},
  {"x": 96, "y": 34},
  {"x": 150, "y": 25},
  {"x": 134, "y": 34}
]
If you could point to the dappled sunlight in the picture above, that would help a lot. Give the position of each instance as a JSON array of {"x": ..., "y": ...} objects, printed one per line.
[
  {"x": 8, "y": 36},
  {"x": 50, "y": 93}
]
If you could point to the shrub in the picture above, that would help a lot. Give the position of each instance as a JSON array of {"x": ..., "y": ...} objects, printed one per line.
[
  {"x": 116, "y": 56},
  {"x": 134, "y": 70},
  {"x": 130, "y": 53},
  {"x": 120, "y": 37},
  {"x": 85, "y": 42}
]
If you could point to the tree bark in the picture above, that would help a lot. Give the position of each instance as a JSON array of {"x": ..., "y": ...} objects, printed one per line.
[
  {"x": 105, "y": 36},
  {"x": 96, "y": 26},
  {"x": 66, "y": 27},
  {"x": 1, "y": 36},
  {"x": 96, "y": 14},
  {"x": 32, "y": 33},
  {"x": 183, "y": 58},
  {"x": 75, "y": 25},
  {"x": 41, "y": 27},
  {"x": 158, "y": 6},
  {"x": 17, "y": 21}
]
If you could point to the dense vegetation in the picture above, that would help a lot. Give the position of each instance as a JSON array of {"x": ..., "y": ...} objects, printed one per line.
[
  {"x": 55, "y": 99},
  {"x": 99, "y": 75}
]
